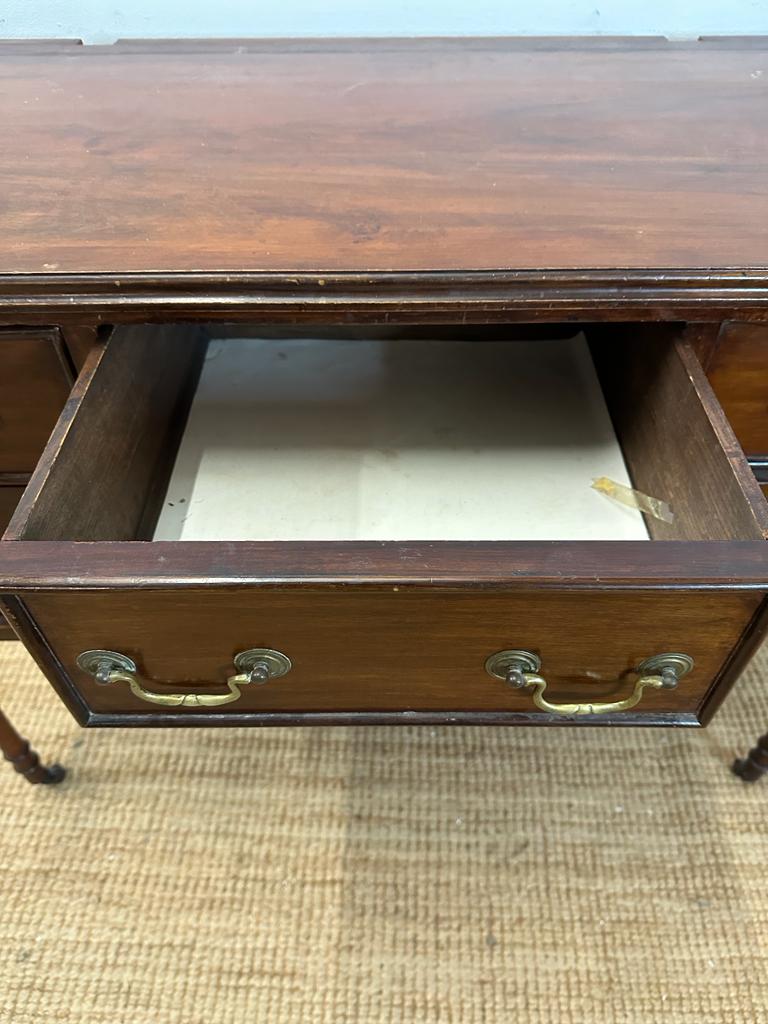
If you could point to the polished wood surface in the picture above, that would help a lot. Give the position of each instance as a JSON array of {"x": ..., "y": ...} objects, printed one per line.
[
  {"x": 35, "y": 379},
  {"x": 388, "y": 297},
  {"x": 395, "y": 649},
  {"x": 354, "y": 613},
  {"x": 676, "y": 440},
  {"x": 79, "y": 340},
  {"x": 738, "y": 371},
  {"x": 111, "y": 451},
  {"x": 383, "y": 182},
  {"x": 112, "y": 412},
  {"x": 318, "y": 157},
  {"x": 24, "y": 759},
  {"x": 493, "y": 565}
]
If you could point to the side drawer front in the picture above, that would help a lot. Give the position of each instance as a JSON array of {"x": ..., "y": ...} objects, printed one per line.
[
  {"x": 35, "y": 380},
  {"x": 392, "y": 650},
  {"x": 738, "y": 372}
]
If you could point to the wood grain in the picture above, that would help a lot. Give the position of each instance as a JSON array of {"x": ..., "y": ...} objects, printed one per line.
[
  {"x": 107, "y": 458},
  {"x": 25, "y": 760},
  {"x": 750, "y": 642},
  {"x": 738, "y": 372},
  {"x": 500, "y": 565},
  {"x": 387, "y": 297},
  {"x": 79, "y": 340},
  {"x": 35, "y": 379},
  {"x": 407, "y": 155},
  {"x": 390, "y": 181},
  {"x": 74, "y": 499},
  {"x": 677, "y": 443},
  {"x": 393, "y": 649},
  {"x": 132, "y": 398}
]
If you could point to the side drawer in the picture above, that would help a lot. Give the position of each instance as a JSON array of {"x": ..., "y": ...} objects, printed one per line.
[
  {"x": 385, "y": 630},
  {"x": 10, "y": 494},
  {"x": 736, "y": 361},
  {"x": 35, "y": 379},
  {"x": 737, "y": 368}
]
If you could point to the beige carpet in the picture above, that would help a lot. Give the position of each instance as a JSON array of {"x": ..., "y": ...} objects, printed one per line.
[{"x": 465, "y": 876}]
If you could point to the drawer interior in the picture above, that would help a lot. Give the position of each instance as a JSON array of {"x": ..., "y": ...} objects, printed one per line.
[
  {"x": 371, "y": 435},
  {"x": 383, "y": 439}
]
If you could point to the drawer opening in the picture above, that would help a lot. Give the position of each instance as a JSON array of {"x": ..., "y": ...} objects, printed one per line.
[
  {"x": 380, "y": 439},
  {"x": 361, "y": 435}
]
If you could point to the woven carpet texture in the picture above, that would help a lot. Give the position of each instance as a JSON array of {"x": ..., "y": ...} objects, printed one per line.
[{"x": 383, "y": 875}]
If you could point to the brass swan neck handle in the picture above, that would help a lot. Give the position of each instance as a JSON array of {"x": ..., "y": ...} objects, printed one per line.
[
  {"x": 255, "y": 666},
  {"x": 520, "y": 670}
]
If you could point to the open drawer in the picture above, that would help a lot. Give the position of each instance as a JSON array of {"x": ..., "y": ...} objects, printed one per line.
[{"x": 402, "y": 530}]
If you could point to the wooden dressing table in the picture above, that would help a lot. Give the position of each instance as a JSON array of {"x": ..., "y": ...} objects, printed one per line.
[{"x": 397, "y": 202}]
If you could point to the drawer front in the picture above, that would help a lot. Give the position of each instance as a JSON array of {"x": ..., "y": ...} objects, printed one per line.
[
  {"x": 35, "y": 381},
  {"x": 382, "y": 629},
  {"x": 391, "y": 651},
  {"x": 738, "y": 372}
]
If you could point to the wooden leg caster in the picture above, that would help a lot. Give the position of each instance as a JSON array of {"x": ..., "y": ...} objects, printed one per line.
[
  {"x": 755, "y": 764},
  {"x": 26, "y": 762}
]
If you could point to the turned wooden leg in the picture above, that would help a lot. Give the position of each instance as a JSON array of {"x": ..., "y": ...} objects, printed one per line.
[
  {"x": 26, "y": 762},
  {"x": 755, "y": 764}
]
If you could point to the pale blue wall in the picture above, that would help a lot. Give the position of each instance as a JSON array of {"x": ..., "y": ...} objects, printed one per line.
[{"x": 99, "y": 21}]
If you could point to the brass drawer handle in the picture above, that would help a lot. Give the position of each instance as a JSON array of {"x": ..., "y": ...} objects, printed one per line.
[
  {"x": 257, "y": 666},
  {"x": 520, "y": 669}
]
